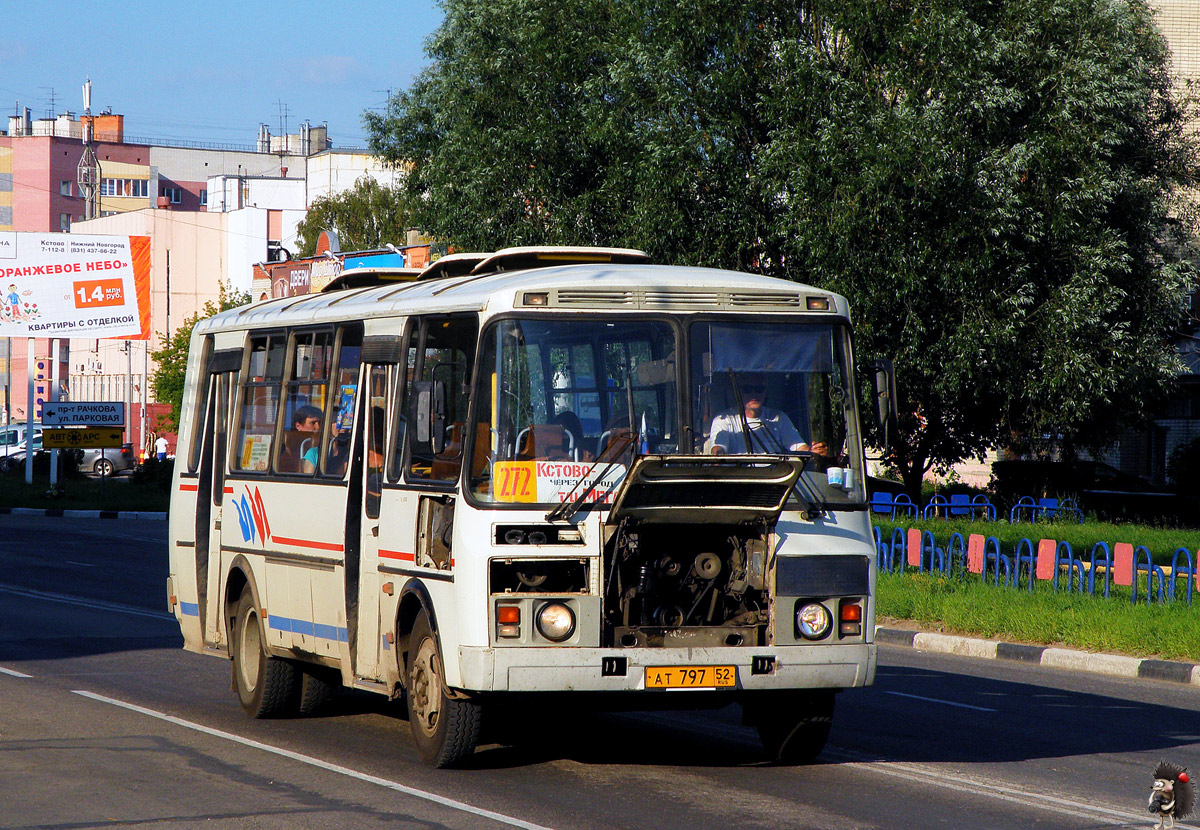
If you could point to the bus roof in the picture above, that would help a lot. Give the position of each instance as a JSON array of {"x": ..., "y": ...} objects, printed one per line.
[{"x": 603, "y": 286}]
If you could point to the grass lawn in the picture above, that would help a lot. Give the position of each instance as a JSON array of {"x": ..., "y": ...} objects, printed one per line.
[
  {"x": 1169, "y": 631},
  {"x": 1161, "y": 542},
  {"x": 84, "y": 493}
]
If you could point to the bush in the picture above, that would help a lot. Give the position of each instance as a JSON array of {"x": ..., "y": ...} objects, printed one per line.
[
  {"x": 1183, "y": 469},
  {"x": 154, "y": 473}
]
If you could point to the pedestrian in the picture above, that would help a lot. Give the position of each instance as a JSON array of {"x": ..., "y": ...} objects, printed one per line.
[{"x": 160, "y": 448}]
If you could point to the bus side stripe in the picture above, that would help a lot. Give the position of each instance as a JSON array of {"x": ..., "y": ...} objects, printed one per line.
[
  {"x": 305, "y": 543},
  {"x": 395, "y": 554},
  {"x": 311, "y": 629}
]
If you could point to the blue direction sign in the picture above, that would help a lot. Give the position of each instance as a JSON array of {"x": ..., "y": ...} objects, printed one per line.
[{"x": 83, "y": 414}]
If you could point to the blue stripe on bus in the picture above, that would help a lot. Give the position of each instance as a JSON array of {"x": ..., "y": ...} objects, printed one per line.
[
  {"x": 310, "y": 629},
  {"x": 189, "y": 609}
]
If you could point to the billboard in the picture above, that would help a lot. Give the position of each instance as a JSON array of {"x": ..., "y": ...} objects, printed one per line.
[{"x": 71, "y": 285}]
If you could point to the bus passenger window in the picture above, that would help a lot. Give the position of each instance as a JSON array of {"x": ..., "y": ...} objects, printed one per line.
[
  {"x": 344, "y": 394},
  {"x": 304, "y": 406},
  {"x": 260, "y": 404},
  {"x": 444, "y": 360}
]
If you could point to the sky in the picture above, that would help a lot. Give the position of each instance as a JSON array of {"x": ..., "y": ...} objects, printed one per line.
[{"x": 213, "y": 70}]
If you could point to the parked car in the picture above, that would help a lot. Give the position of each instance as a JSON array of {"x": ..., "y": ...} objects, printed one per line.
[
  {"x": 15, "y": 455},
  {"x": 12, "y": 438},
  {"x": 108, "y": 462}
]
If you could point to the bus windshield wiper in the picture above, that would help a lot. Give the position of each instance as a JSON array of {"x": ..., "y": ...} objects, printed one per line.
[{"x": 567, "y": 509}]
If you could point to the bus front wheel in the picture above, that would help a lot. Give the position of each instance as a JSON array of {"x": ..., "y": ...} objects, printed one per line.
[
  {"x": 445, "y": 729},
  {"x": 793, "y": 728},
  {"x": 267, "y": 686}
]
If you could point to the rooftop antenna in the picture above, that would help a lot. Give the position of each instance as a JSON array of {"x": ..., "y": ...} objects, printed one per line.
[
  {"x": 283, "y": 136},
  {"x": 88, "y": 172}
]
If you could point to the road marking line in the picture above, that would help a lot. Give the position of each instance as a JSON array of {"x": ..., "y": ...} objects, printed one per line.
[
  {"x": 13, "y": 672},
  {"x": 316, "y": 762},
  {"x": 928, "y": 776},
  {"x": 943, "y": 702},
  {"x": 976, "y": 786},
  {"x": 96, "y": 604}
]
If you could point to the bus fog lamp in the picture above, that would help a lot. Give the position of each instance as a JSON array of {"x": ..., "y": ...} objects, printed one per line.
[
  {"x": 555, "y": 621},
  {"x": 813, "y": 621}
]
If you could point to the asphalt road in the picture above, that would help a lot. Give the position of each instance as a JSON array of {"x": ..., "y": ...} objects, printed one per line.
[{"x": 105, "y": 722}]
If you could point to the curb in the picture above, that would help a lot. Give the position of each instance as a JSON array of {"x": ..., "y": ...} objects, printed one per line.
[
  {"x": 84, "y": 514},
  {"x": 1059, "y": 658}
]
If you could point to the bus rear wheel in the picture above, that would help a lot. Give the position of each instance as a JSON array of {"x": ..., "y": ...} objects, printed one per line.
[
  {"x": 266, "y": 686},
  {"x": 445, "y": 729},
  {"x": 793, "y": 728}
]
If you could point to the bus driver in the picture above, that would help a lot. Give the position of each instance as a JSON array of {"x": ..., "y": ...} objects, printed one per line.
[{"x": 770, "y": 430}]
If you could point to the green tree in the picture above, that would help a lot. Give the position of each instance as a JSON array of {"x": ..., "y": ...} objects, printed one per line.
[
  {"x": 367, "y": 216},
  {"x": 994, "y": 185},
  {"x": 166, "y": 382}
]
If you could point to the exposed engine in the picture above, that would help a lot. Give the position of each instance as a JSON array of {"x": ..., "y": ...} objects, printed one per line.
[{"x": 686, "y": 585}]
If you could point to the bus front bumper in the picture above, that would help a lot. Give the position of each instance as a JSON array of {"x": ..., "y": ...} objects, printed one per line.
[{"x": 537, "y": 669}]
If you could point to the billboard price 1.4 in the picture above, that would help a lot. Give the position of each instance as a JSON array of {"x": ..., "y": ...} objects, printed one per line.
[{"x": 72, "y": 285}]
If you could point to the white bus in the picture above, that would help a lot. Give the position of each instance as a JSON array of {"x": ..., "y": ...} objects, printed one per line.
[{"x": 536, "y": 472}]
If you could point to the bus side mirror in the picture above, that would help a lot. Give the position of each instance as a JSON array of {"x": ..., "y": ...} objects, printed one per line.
[
  {"x": 431, "y": 413},
  {"x": 884, "y": 388}
]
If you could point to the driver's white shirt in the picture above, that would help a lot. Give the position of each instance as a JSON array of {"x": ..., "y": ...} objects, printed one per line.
[{"x": 771, "y": 432}]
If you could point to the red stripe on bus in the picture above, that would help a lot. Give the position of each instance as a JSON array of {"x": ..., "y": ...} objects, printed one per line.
[
  {"x": 229, "y": 491},
  {"x": 395, "y": 554},
  {"x": 187, "y": 488},
  {"x": 305, "y": 543}
]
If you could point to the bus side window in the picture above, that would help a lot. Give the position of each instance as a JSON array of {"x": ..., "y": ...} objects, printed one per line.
[
  {"x": 444, "y": 358},
  {"x": 304, "y": 407},
  {"x": 340, "y": 416},
  {"x": 260, "y": 403}
]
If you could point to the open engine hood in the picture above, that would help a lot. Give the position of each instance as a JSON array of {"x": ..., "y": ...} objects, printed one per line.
[{"x": 697, "y": 489}]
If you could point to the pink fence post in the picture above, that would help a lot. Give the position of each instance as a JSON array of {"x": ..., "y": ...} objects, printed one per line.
[
  {"x": 1046, "y": 550},
  {"x": 1122, "y": 563},
  {"x": 914, "y": 547},
  {"x": 975, "y": 553}
]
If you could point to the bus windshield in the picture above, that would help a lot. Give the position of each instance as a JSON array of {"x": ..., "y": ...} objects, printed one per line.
[
  {"x": 555, "y": 398},
  {"x": 554, "y": 403},
  {"x": 782, "y": 388}
]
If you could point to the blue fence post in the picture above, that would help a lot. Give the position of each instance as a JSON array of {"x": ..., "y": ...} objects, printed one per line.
[
  {"x": 956, "y": 553},
  {"x": 937, "y": 556},
  {"x": 1074, "y": 567},
  {"x": 1024, "y": 554},
  {"x": 898, "y": 542},
  {"x": 1143, "y": 561},
  {"x": 1188, "y": 571},
  {"x": 1108, "y": 568},
  {"x": 992, "y": 553}
]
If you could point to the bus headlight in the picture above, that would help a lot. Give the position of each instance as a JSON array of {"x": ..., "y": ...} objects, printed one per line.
[
  {"x": 813, "y": 621},
  {"x": 555, "y": 621}
]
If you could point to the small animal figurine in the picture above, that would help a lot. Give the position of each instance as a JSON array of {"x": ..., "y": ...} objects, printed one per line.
[{"x": 1172, "y": 795}]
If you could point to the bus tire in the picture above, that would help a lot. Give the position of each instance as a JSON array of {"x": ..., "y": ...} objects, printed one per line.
[
  {"x": 267, "y": 686},
  {"x": 317, "y": 686},
  {"x": 445, "y": 729},
  {"x": 794, "y": 729}
]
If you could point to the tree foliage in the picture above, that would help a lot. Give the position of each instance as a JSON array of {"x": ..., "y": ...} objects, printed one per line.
[
  {"x": 994, "y": 185},
  {"x": 166, "y": 382},
  {"x": 366, "y": 217}
]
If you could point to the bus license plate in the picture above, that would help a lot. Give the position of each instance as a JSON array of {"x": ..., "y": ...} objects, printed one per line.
[{"x": 690, "y": 677}]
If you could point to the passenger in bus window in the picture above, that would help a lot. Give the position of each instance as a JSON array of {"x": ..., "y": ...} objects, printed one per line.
[
  {"x": 306, "y": 425},
  {"x": 771, "y": 431}
]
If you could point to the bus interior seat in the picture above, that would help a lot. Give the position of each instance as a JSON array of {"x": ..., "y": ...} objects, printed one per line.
[
  {"x": 546, "y": 442},
  {"x": 295, "y": 443}
]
